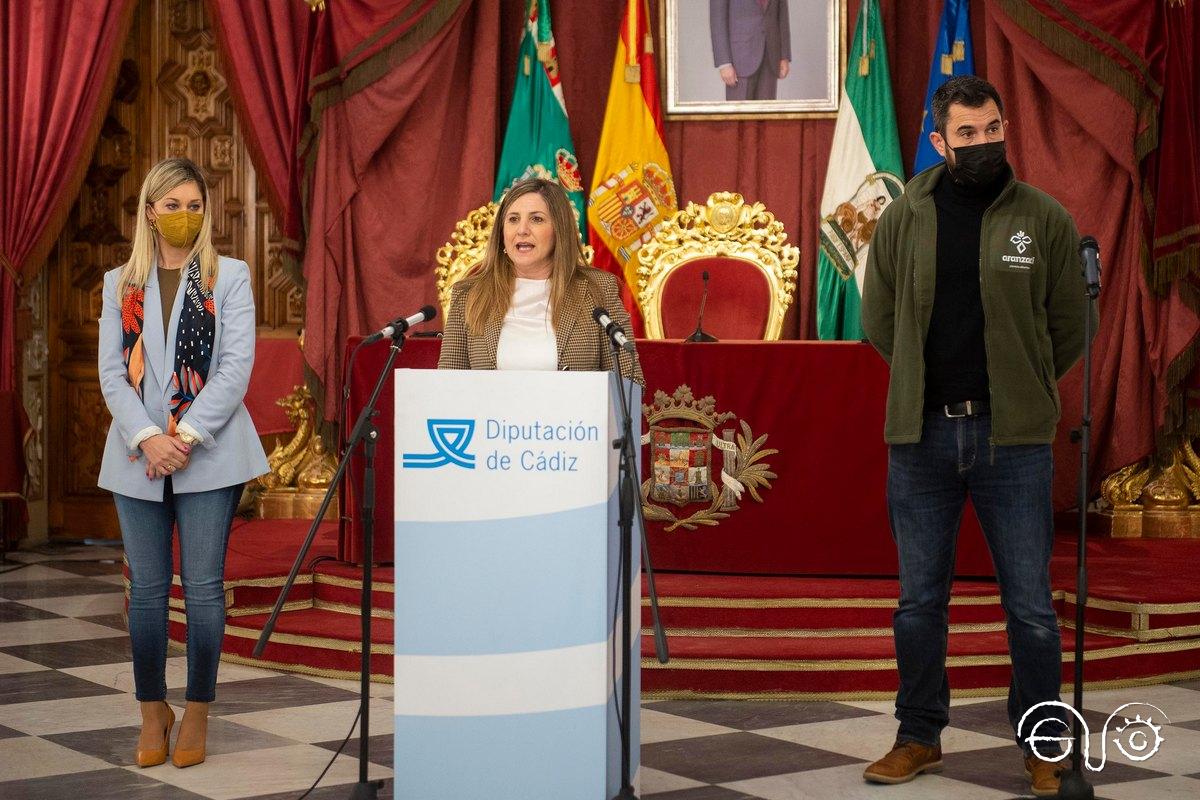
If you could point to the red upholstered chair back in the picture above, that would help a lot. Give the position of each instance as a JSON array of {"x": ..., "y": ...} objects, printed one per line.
[
  {"x": 751, "y": 267},
  {"x": 738, "y": 305}
]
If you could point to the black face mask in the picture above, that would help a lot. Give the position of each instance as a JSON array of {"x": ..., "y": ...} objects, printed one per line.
[{"x": 977, "y": 164}]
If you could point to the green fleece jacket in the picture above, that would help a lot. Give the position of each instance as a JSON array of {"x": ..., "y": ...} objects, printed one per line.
[{"x": 1033, "y": 306}]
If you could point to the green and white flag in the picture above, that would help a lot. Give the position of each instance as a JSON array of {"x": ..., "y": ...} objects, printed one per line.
[
  {"x": 537, "y": 142},
  {"x": 865, "y": 174}
]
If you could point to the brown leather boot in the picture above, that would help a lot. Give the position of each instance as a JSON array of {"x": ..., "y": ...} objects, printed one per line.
[
  {"x": 906, "y": 761},
  {"x": 1043, "y": 776}
]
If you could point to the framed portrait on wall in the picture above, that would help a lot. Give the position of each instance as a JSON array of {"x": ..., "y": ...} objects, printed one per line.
[{"x": 749, "y": 59}]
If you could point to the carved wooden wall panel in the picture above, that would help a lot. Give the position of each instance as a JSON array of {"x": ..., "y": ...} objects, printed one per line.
[{"x": 172, "y": 99}]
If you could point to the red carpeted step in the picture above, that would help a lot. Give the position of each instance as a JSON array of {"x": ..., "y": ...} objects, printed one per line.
[
  {"x": 323, "y": 626},
  {"x": 756, "y": 602},
  {"x": 674, "y": 584},
  {"x": 337, "y": 586},
  {"x": 842, "y": 648}
]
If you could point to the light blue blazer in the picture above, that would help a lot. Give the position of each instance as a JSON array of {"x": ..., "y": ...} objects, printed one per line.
[{"x": 231, "y": 452}]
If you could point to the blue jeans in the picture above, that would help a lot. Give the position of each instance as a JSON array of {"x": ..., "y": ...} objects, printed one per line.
[
  {"x": 204, "y": 519},
  {"x": 928, "y": 483}
]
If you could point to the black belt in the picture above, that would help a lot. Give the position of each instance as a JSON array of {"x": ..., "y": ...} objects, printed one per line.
[{"x": 966, "y": 408}]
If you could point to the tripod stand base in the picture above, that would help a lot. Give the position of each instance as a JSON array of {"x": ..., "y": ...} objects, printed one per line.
[
  {"x": 701, "y": 336},
  {"x": 1074, "y": 786},
  {"x": 366, "y": 791}
]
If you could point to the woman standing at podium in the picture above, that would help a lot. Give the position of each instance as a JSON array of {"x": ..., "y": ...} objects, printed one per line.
[
  {"x": 175, "y": 351},
  {"x": 529, "y": 304}
]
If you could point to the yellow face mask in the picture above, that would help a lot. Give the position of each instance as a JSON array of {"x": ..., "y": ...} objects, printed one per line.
[{"x": 180, "y": 228}]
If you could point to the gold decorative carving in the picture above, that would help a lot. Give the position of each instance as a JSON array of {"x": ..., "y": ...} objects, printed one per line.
[
  {"x": 467, "y": 245},
  {"x": 683, "y": 466},
  {"x": 301, "y": 469},
  {"x": 1155, "y": 499},
  {"x": 465, "y": 250},
  {"x": 724, "y": 227}
]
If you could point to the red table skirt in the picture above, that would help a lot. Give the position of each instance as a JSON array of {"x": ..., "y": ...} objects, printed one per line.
[{"x": 820, "y": 404}]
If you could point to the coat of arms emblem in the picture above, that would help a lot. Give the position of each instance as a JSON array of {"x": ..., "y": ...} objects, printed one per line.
[{"x": 683, "y": 470}]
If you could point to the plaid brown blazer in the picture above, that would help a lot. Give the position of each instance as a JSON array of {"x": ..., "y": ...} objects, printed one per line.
[{"x": 581, "y": 343}]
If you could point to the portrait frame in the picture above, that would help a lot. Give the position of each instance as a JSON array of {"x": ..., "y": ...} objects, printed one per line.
[{"x": 686, "y": 98}]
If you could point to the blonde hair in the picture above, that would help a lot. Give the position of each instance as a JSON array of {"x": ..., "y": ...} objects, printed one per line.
[
  {"x": 161, "y": 179},
  {"x": 491, "y": 288}
]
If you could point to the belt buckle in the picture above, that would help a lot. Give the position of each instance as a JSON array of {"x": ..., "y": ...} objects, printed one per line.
[{"x": 969, "y": 411}]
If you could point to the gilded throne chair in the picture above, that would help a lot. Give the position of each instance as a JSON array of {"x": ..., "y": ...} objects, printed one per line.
[{"x": 751, "y": 269}]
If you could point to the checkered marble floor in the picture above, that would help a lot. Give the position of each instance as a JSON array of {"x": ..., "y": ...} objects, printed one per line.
[{"x": 69, "y": 722}]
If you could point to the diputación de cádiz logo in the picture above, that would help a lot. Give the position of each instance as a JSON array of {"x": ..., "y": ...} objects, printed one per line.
[
  {"x": 450, "y": 438},
  {"x": 1142, "y": 736}
]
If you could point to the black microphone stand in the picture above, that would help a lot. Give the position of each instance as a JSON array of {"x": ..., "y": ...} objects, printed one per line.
[
  {"x": 629, "y": 508},
  {"x": 699, "y": 335},
  {"x": 364, "y": 431},
  {"x": 1072, "y": 785}
]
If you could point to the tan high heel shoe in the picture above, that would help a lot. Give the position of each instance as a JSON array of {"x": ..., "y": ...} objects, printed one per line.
[
  {"x": 152, "y": 758},
  {"x": 181, "y": 757}
]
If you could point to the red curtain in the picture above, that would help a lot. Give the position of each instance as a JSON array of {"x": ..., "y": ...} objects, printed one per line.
[
  {"x": 396, "y": 162},
  {"x": 1111, "y": 170},
  {"x": 267, "y": 48},
  {"x": 57, "y": 67}
]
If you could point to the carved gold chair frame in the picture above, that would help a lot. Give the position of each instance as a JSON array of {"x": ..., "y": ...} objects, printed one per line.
[{"x": 724, "y": 227}]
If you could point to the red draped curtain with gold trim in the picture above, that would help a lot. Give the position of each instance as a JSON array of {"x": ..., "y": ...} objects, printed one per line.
[
  {"x": 57, "y": 68},
  {"x": 267, "y": 48},
  {"x": 1102, "y": 98}
]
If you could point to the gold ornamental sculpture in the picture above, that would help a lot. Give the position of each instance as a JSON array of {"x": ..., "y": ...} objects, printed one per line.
[
  {"x": 1155, "y": 498},
  {"x": 726, "y": 226},
  {"x": 465, "y": 250},
  {"x": 301, "y": 469}
]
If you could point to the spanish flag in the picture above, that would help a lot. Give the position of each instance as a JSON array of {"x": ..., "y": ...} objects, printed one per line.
[{"x": 632, "y": 191}]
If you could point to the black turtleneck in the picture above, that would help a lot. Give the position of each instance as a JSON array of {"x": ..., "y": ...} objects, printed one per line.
[{"x": 955, "y": 357}]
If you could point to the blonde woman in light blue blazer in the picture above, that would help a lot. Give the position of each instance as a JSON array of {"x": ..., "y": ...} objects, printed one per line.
[{"x": 175, "y": 352}]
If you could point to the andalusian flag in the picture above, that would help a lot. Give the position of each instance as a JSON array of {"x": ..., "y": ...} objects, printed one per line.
[
  {"x": 538, "y": 140},
  {"x": 952, "y": 56},
  {"x": 864, "y": 176},
  {"x": 632, "y": 190}
]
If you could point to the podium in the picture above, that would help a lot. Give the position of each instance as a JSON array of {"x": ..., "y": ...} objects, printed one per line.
[{"x": 506, "y": 565}]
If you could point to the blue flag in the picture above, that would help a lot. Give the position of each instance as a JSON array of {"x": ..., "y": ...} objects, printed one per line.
[{"x": 951, "y": 56}]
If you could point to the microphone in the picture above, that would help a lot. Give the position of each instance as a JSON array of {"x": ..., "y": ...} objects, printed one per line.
[
  {"x": 614, "y": 331},
  {"x": 1089, "y": 254},
  {"x": 699, "y": 335},
  {"x": 401, "y": 325}
]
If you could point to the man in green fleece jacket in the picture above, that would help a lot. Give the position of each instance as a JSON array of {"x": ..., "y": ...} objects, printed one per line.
[{"x": 975, "y": 298}]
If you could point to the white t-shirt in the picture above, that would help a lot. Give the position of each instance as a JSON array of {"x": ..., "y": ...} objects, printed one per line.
[{"x": 527, "y": 336}]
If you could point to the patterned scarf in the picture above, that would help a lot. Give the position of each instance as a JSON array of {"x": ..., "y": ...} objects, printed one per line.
[{"x": 193, "y": 342}]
